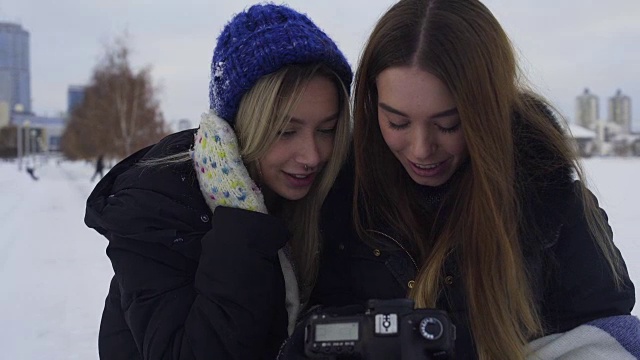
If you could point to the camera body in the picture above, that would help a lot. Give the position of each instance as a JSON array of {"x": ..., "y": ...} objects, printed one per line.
[{"x": 390, "y": 329}]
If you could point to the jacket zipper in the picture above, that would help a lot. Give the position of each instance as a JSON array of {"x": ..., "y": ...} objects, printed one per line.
[{"x": 415, "y": 265}]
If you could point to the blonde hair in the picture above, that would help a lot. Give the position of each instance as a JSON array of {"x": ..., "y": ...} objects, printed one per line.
[
  {"x": 461, "y": 43},
  {"x": 262, "y": 115}
]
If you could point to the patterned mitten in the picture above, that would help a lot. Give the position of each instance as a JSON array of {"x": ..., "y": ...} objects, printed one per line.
[{"x": 224, "y": 181}]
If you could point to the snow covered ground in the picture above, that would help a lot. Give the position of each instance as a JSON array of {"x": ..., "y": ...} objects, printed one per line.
[{"x": 54, "y": 272}]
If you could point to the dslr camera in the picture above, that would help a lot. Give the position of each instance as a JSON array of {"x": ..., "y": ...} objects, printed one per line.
[{"x": 389, "y": 329}]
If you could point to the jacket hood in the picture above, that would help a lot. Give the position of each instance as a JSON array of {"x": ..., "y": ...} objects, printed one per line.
[
  {"x": 150, "y": 202},
  {"x": 537, "y": 164},
  {"x": 543, "y": 181}
]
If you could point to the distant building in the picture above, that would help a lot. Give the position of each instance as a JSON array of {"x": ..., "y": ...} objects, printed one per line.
[
  {"x": 625, "y": 145},
  {"x": 48, "y": 130},
  {"x": 635, "y": 148},
  {"x": 5, "y": 114},
  {"x": 587, "y": 110},
  {"x": 75, "y": 96},
  {"x": 15, "y": 78},
  {"x": 613, "y": 135},
  {"x": 620, "y": 111},
  {"x": 585, "y": 140}
]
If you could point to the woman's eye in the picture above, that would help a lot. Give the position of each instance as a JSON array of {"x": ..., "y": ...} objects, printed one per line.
[
  {"x": 286, "y": 133},
  {"x": 398, "y": 126},
  {"x": 328, "y": 131},
  {"x": 450, "y": 129}
]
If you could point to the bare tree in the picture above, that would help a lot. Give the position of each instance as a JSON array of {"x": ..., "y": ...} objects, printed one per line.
[{"x": 119, "y": 114}]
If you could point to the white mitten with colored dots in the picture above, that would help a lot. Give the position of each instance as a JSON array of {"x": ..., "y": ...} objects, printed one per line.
[{"x": 223, "y": 178}]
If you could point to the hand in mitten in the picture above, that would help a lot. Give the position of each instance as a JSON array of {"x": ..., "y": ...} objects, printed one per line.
[{"x": 224, "y": 181}]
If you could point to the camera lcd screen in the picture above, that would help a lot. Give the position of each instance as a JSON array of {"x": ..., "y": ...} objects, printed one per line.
[{"x": 337, "y": 332}]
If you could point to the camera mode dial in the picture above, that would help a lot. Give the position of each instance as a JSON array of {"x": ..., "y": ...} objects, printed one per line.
[{"x": 431, "y": 328}]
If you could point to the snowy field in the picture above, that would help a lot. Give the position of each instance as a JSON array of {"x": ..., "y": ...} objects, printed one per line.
[{"x": 54, "y": 272}]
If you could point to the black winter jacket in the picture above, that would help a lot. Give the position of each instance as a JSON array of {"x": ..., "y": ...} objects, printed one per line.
[
  {"x": 188, "y": 284},
  {"x": 571, "y": 280}
]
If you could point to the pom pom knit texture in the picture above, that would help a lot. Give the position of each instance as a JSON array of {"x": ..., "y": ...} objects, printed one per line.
[
  {"x": 260, "y": 41},
  {"x": 223, "y": 179}
]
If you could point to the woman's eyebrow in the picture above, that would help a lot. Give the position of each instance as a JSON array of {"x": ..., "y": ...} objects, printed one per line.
[
  {"x": 441, "y": 114},
  {"x": 325, "y": 120},
  {"x": 445, "y": 113},
  {"x": 391, "y": 109}
]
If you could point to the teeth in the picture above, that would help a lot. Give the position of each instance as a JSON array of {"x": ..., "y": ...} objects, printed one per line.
[
  {"x": 299, "y": 176},
  {"x": 427, "y": 167}
]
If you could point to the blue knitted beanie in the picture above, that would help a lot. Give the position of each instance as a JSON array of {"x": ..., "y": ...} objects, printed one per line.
[{"x": 259, "y": 41}]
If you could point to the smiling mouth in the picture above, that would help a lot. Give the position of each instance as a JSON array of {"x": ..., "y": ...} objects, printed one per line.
[
  {"x": 301, "y": 180},
  {"x": 300, "y": 176},
  {"x": 427, "y": 166}
]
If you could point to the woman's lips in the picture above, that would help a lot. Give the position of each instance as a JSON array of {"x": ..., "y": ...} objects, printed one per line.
[
  {"x": 300, "y": 180},
  {"x": 429, "y": 170}
]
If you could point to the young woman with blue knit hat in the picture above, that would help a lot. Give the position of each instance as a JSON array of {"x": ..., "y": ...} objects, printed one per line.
[{"x": 214, "y": 232}]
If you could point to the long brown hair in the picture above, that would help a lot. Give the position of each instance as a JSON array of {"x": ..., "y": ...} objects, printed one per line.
[{"x": 461, "y": 43}]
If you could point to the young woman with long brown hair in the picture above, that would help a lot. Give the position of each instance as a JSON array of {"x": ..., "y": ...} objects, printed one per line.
[{"x": 468, "y": 195}]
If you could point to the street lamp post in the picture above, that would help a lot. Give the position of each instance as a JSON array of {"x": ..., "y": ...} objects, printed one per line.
[
  {"x": 19, "y": 146},
  {"x": 27, "y": 134},
  {"x": 33, "y": 140}
]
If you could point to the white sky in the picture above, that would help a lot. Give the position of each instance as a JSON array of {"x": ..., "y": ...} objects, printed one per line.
[
  {"x": 55, "y": 274},
  {"x": 566, "y": 45}
]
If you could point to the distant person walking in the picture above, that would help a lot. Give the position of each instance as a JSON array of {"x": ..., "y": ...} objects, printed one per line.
[
  {"x": 31, "y": 171},
  {"x": 99, "y": 167}
]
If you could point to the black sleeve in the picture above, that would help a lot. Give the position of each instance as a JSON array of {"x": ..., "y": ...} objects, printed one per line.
[
  {"x": 583, "y": 285},
  {"x": 228, "y": 305}
]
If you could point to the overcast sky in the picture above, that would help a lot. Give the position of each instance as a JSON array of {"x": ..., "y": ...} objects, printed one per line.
[{"x": 564, "y": 45}]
